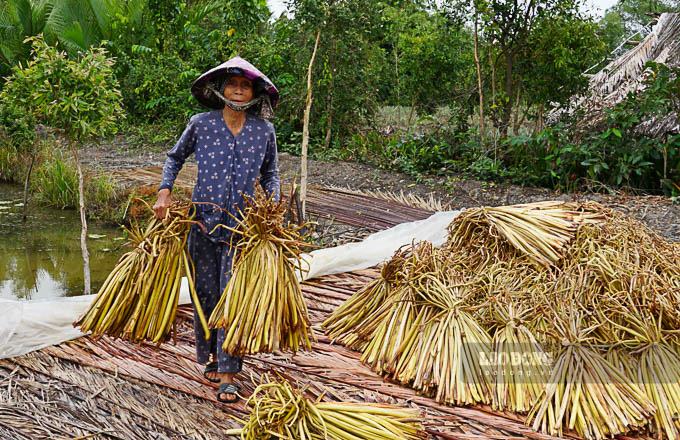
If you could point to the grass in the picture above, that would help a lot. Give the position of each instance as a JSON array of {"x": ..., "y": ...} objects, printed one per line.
[
  {"x": 11, "y": 166},
  {"x": 56, "y": 183}
]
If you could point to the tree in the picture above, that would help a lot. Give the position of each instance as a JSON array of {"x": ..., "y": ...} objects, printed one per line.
[
  {"x": 78, "y": 96},
  {"x": 612, "y": 29},
  {"x": 348, "y": 58},
  {"x": 508, "y": 27},
  {"x": 435, "y": 55},
  {"x": 559, "y": 50}
]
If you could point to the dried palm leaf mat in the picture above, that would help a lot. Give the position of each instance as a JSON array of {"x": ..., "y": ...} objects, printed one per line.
[
  {"x": 566, "y": 312},
  {"x": 262, "y": 308},
  {"x": 278, "y": 410},
  {"x": 139, "y": 298}
]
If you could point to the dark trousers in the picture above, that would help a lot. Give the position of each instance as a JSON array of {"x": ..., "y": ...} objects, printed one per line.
[{"x": 212, "y": 262}]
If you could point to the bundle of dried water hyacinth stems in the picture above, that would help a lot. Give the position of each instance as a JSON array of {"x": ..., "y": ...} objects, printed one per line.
[{"x": 138, "y": 301}]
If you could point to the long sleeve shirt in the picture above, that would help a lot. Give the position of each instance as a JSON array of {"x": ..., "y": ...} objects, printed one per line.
[{"x": 228, "y": 166}]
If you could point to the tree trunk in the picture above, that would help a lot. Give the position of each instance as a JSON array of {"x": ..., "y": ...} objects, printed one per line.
[
  {"x": 539, "y": 119},
  {"x": 479, "y": 84},
  {"x": 493, "y": 79},
  {"x": 494, "y": 119},
  {"x": 396, "y": 73},
  {"x": 305, "y": 129},
  {"x": 329, "y": 128},
  {"x": 509, "y": 93},
  {"x": 517, "y": 121},
  {"x": 27, "y": 184},
  {"x": 83, "y": 222},
  {"x": 331, "y": 93}
]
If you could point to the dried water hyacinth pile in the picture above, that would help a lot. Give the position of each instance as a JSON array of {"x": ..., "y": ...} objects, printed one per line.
[
  {"x": 280, "y": 411},
  {"x": 262, "y": 308},
  {"x": 566, "y": 312},
  {"x": 139, "y": 298}
]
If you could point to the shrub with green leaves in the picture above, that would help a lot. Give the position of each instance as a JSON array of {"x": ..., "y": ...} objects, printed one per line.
[
  {"x": 17, "y": 140},
  {"x": 78, "y": 96}
]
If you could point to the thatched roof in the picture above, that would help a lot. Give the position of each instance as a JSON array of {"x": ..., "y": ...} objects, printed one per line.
[{"x": 626, "y": 74}]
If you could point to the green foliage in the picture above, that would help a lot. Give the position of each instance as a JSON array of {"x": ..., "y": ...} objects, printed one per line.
[
  {"x": 17, "y": 125},
  {"x": 16, "y": 23},
  {"x": 518, "y": 34},
  {"x": 558, "y": 51},
  {"x": 157, "y": 88},
  {"x": 17, "y": 139},
  {"x": 182, "y": 39},
  {"x": 612, "y": 29},
  {"x": 418, "y": 154},
  {"x": 11, "y": 164},
  {"x": 625, "y": 154},
  {"x": 431, "y": 58},
  {"x": 619, "y": 154},
  {"x": 79, "y": 97}
]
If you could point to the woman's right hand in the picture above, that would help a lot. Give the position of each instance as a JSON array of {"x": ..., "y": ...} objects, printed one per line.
[{"x": 162, "y": 203}]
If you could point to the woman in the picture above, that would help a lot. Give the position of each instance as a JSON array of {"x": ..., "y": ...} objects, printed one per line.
[{"x": 234, "y": 145}]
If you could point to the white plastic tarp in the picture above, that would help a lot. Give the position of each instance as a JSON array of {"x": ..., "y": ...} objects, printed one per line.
[
  {"x": 26, "y": 326},
  {"x": 377, "y": 247}
]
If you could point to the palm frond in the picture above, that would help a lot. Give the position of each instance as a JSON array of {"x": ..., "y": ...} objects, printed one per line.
[
  {"x": 41, "y": 11},
  {"x": 24, "y": 14},
  {"x": 15, "y": 18},
  {"x": 104, "y": 11},
  {"x": 73, "y": 38},
  {"x": 134, "y": 10}
]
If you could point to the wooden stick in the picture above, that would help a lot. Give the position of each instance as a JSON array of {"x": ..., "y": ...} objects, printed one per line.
[{"x": 305, "y": 129}]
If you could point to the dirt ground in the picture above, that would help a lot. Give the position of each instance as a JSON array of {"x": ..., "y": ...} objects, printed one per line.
[{"x": 659, "y": 213}]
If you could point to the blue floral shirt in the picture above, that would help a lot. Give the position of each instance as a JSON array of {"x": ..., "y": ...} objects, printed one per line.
[{"x": 228, "y": 166}]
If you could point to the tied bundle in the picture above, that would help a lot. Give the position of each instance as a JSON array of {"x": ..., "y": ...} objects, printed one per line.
[
  {"x": 262, "y": 308},
  {"x": 280, "y": 411},
  {"x": 139, "y": 298}
]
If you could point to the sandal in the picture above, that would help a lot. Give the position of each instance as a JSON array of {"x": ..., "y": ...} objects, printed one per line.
[
  {"x": 211, "y": 368},
  {"x": 228, "y": 388}
]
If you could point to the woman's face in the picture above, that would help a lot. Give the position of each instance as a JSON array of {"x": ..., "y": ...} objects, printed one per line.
[{"x": 238, "y": 89}]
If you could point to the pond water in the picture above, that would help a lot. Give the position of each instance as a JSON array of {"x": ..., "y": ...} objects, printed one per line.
[{"x": 41, "y": 258}]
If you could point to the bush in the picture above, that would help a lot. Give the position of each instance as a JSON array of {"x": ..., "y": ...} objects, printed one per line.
[
  {"x": 156, "y": 88},
  {"x": 17, "y": 139}
]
